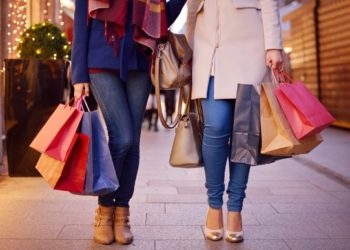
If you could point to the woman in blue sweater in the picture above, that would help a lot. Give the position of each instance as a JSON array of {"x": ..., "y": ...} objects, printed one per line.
[{"x": 113, "y": 40}]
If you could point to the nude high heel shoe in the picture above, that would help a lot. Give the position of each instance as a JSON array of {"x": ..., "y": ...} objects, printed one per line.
[
  {"x": 234, "y": 237},
  {"x": 213, "y": 234}
]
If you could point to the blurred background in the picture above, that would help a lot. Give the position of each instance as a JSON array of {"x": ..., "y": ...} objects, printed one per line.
[{"x": 316, "y": 37}]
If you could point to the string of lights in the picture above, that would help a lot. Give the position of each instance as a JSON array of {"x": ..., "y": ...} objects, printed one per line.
[{"x": 17, "y": 22}]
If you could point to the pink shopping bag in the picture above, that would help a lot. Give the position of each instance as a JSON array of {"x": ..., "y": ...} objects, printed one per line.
[
  {"x": 56, "y": 136},
  {"x": 305, "y": 113}
]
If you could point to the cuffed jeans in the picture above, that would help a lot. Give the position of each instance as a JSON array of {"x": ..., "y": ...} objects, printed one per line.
[
  {"x": 122, "y": 105},
  {"x": 218, "y": 116}
]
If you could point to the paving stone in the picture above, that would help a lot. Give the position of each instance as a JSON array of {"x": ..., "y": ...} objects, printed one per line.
[
  {"x": 202, "y": 208},
  {"x": 292, "y": 198},
  {"x": 58, "y": 218},
  {"x": 15, "y": 231},
  {"x": 76, "y": 232},
  {"x": 177, "y": 198},
  {"x": 166, "y": 232},
  {"x": 11, "y": 244},
  {"x": 284, "y": 232},
  {"x": 135, "y": 245},
  {"x": 173, "y": 183},
  {"x": 310, "y": 208},
  {"x": 286, "y": 202},
  {"x": 319, "y": 244},
  {"x": 189, "y": 219},
  {"x": 33, "y": 205},
  {"x": 337, "y": 231},
  {"x": 147, "y": 208},
  {"x": 343, "y": 196},
  {"x": 87, "y": 206},
  {"x": 284, "y": 219},
  {"x": 281, "y": 184},
  {"x": 220, "y": 245},
  {"x": 7, "y": 217},
  {"x": 258, "y": 208},
  {"x": 192, "y": 190},
  {"x": 156, "y": 190},
  {"x": 327, "y": 219},
  {"x": 297, "y": 191}
]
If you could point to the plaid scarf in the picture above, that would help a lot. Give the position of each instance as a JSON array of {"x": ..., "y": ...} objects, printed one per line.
[{"x": 149, "y": 21}]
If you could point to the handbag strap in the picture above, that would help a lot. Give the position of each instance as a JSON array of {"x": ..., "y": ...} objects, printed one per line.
[{"x": 159, "y": 106}]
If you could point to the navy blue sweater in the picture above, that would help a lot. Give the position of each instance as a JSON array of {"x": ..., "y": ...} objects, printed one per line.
[{"x": 91, "y": 49}]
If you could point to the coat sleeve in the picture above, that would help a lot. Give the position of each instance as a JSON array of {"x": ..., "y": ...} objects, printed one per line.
[
  {"x": 81, "y": 32},
  {"x": 173, "y": 9},
  {"x": 192, "y": 8},
  {"x": 271, "y": 23}
]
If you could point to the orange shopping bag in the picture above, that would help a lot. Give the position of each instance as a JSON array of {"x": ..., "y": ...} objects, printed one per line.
[
  {"x": 51, "y": 169},
  {"x": 56, "y": 136}
]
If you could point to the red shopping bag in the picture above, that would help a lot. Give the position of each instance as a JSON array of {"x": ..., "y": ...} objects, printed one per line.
[
  {"x": 305, "y": 113},
  {"x": 56, "y": 136},
  {"x": 73, "y": 175}
]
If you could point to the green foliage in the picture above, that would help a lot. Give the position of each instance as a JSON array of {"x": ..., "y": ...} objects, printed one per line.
[{"x": 43, "y": 41}]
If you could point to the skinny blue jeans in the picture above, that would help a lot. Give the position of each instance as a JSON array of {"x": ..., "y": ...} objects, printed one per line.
[
  {"x": 123, "y": 105},
  {"x": 218, "y": 116}
]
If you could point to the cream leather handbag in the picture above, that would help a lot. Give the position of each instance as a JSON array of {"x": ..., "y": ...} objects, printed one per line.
[
  {"x": 171, "y": 69},
  {"x": 186, "y": 151}
]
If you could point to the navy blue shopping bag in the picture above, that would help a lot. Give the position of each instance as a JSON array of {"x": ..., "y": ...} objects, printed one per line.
[{"x": 101, "y": 177}]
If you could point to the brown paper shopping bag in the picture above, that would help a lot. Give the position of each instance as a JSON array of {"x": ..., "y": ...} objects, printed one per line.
[
  {"x": 277, "y": 135},
  {"x": 51, "y": 169}
]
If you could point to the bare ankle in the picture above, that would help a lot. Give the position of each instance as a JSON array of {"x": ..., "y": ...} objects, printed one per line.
[
  {"x": 234, "y": 221},
  {"x": 214, "y": 218}
]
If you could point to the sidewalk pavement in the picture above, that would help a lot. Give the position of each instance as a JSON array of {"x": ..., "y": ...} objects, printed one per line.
[{"x": 299, "y": 203}]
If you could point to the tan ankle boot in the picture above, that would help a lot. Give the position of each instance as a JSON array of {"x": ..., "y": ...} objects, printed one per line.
[
  {"x": 104, "y": 225},
  {"x": 122, "y": 232}
]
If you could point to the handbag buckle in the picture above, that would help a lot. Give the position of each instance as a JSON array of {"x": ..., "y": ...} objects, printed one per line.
[{"x": 161, "y": 47}]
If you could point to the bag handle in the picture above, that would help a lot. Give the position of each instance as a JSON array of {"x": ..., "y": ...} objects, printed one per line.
[
  {"x": 285, "y": 76},
  {"x": 159, "y": 107},
  {"x": 73, "y": 101},
  {"x": 86, "y": 105}
]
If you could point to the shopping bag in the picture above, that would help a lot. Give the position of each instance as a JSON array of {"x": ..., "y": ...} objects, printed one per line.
[
  {"x": 305, "y": 113},
  {"x": 56, "y": 136},
  {"x": 101, "y": 177},
  {"x": 246, "y": 134},
  {"x": 51, "y": 169},
  {"x": 277, "y": 135},
  {"x": 74, "y": 171}
]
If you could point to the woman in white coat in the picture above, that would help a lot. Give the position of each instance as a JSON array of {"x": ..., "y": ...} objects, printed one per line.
[{"x": 234, "y": 41}]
